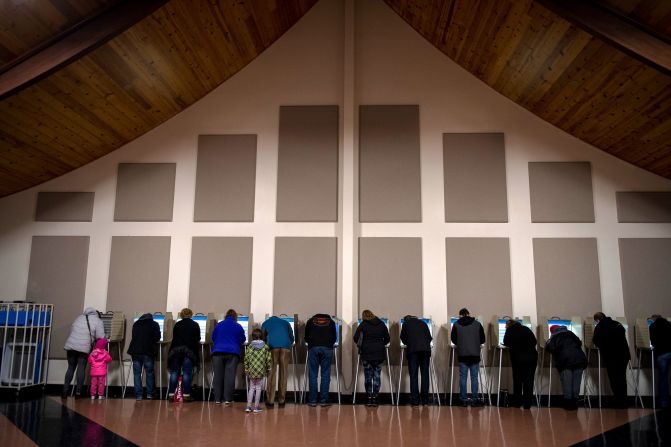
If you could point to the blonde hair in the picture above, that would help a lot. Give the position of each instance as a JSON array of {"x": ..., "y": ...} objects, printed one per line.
[
  {"x": 367, "y": 315},
  {"x": 186, "y": 313}
]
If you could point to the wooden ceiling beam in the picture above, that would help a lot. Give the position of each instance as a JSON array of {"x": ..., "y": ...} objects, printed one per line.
[
  {"x": 74, "y": 43},
  {"x": 617, "y": 30}
]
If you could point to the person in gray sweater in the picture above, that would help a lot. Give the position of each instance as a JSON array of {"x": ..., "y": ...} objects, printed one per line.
[
  {"x": 85, "y": 330},
  {"x": 468, "y": 335}
]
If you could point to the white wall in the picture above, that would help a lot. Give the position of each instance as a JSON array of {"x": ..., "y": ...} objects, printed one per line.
[{"x": 346, "y": 53}]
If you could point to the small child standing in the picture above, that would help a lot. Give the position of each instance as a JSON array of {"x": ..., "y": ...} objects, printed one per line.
[
  {"x": 257, "y": 366},
  {"x": 99, "y": 358}
]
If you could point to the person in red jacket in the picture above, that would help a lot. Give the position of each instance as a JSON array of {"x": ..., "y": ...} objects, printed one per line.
[{"x": 99, "y": 358}]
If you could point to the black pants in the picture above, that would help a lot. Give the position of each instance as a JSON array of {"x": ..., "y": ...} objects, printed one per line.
[
  {"x": 225, "y": 367},
  {"x": 419, "y": 361},
  {"x": 76, "y": 361},
  {"x": 523, "y": 384},
  {"x": 617, "y": 375}
]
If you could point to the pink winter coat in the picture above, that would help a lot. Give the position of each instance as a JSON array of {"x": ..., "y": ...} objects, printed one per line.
[{"x": 99, "y": 358}]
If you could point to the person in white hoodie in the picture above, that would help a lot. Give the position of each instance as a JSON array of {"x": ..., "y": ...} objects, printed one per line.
[{"x": 85, "y": 330}]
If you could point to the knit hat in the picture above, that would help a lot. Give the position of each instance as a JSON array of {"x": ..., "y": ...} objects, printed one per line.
[
  {"x": 101, "y": 343},
  {"x": 554, "y": 328}
]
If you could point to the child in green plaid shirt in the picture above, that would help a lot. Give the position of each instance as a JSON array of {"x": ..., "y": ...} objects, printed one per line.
[{"x": 257, "y": 366}]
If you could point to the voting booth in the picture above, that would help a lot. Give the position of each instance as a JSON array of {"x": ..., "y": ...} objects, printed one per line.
[
  {"x": 433, "y": 377},
  {"x": 385, "y": 320},
  {"x": 165, "y": 325},
  {"x": 115, "y": 331},
  {"x": 573, "y": 324},
  {"x": 497, "y": 333},
  {"x": 336, "y": 347},
  {"x": 482, "y": 373}
]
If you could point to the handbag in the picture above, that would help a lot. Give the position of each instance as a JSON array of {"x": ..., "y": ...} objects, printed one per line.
[{"x": 93, "y": 342}]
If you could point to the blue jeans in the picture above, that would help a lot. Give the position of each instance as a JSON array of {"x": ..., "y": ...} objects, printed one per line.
[
  {"x": 663, "y": 362},
  {"x": 419, "y": 361},
  {"x": 140, "y": 361},
  {"x": 185, "y": 365},
  {"x": 463, "y": 376},
  {"x": 319, "y": 357}
]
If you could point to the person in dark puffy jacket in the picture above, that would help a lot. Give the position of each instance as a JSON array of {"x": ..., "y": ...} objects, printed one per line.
[
  {"x": 416, "y": 336},
  {"x": 468, "y": 335},
  {"x": 611, "y": 339},
  {"x": 660, "y": 339},
  {"x": 569, "y": 359},
  {"x": 227, "y": 339},
  {"x": 521, "y": 342},
  {"x": 85, "y": 330},
  {"x": 142, "y": 349},
  {"x": 184, "y": 353},
  {"x": 372, "y": 337}
]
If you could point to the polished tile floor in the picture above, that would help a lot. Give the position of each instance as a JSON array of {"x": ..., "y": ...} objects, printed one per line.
[{"x": 119, "y": 422}]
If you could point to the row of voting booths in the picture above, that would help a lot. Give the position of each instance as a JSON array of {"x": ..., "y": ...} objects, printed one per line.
[{"x": 493, "y": 364}]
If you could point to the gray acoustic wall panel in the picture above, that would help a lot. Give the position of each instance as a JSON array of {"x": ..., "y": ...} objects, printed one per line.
[
  {"x": 221, "y": 274},
  {"x": 389, "y": 164},
  {"x": 145, "y": 192},
  {"x": 646, "y": 207},
  {"x": 561, "y": 192},
  {"x": 57, "y": 275},
  {"x": 646, "y": 276},
  {"x": 567, "y": 276},
  {"x": 138, "y": 275},
  {"x": 390, "y": 276},
  {"x": 305, "y": 276},
  {"x": 307, "y": 168},
  {"x": 64, "y": 207},
  {"x": 478, "y": 276},
  {"x": 474, "y": 166},
  {"x": 225, "y": 178}
]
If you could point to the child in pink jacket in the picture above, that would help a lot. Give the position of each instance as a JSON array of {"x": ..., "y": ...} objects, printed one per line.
[{"x": 99, "y": 358}]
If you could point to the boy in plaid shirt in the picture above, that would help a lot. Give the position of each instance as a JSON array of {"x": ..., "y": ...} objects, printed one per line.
[{"x": 257, "y": 366}]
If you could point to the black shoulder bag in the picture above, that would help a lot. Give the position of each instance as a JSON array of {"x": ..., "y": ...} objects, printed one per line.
[{"x": 93, "y": 343}]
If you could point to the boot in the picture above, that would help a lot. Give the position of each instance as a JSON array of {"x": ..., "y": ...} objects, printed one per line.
[
  {"x": 374, "y": 400},
  {"x": 369, "y": 400}
]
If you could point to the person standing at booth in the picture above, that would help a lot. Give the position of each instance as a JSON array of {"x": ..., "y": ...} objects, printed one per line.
[
  {"x": 85, "y": 330},
  {"x": 184, "y": 353},
  {"x": 468, "y": 335},
  {"x": 660, "y": 339},
  {"x": 521, "y": 342},
  {"x": 227, "y": 339},
  {"x": 142, "y": 350},
  {"x": 570, "y": 361},
  {"x": 280, "y": 338},
  {"x": 320, "y": 336},
  {"x": 611, "y": 339},
  {"x": 372, "y": 337},
  {"x": 416, "y": 336}
]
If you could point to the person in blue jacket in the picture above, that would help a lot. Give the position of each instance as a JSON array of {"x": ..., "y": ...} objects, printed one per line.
[
  {"x": 227, "y": 339},
  {"x": 280, "y": 338}
]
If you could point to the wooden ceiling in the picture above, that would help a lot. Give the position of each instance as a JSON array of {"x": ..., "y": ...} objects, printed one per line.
[
  {"x": 564, "y": 75},
  {"x": 127, "y": 86},
  {"x": 175, "y": 56}
]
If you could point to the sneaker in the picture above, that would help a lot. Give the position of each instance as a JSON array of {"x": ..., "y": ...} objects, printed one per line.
[
  {"x": 101, "y": 397},
  {"x": 248, "y": 410},
  {"x": 312, "y": 404},
  {"x": 258, "y": 409},
  {"x": 270, "y": 405},
  {"x": 138, "y": 398},
  {"x": 325, "y": 404},
  {"x": 188, "y": 398},
  {"x": 217, "y": 402},
  {"x": 228, "y": 402},
  {"x": 93, "y": 398},
  {"x": 171, "y": 396}
]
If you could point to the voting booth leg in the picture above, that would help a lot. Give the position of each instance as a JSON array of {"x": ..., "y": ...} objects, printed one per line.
[
  {"x": 202, "y": 367},
  {"x": 305, "y": 377},
  {"x": 335, "y": 353},
  {"x": 391, "y": 385},
  {"x": 585, "y": 376},
  {"x": 498, "y": 391},
  {"x": 482, "y": 373},
  {"x": 638, "y": 372},
  {"x": 400, "y": 372},
  {"x": 434, "y": 381},
  {"x": 451, "y": 374},
  {"x": 550, "y": 382},
  {"x": 652, "y": 369},
  {"x": 356, "y": 379},
  {"x": 125, "y": 384},
  {"x": 293, "y": 367},
  {"x": 637, "y": 395},
  {"x": 598, "y": 354}
]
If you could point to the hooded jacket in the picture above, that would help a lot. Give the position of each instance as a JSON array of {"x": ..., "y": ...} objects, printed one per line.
[
  {"x": 80, "y": 338},
  {"x": 566, "y": 350},
  {"x": 522, "y": 344},
  {"x": 99, "y": 358},
  {"x": 468, "y": 334},
  {"x": 372, "y": 337},
  {"x": 146, "y": 334},
  {"x": 258, "y": 360},
  {"x": 611, "y": 339},
  {"x": 227, "y": 337},
  {"x": 416, "y": 336},
  {"x": 186, "y": 340}
]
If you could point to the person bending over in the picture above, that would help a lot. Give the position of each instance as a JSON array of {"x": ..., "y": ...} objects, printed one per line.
[
  {"x": 320, "y": 336},
  {"x": 416, "y": 336},
  {"x": 142, "y": 350},
  {"x": 570, "y": 361},
  {"x": 184, "y": 353},
  {"x": 468, "y": 335},
  {"x": 227, "y": 338},
  {"x": 611, "y": 339},
  {"x": 660, "y": 339},
  {"x": 372, "y": 337},
  {"x": 521, "y": 342}
]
